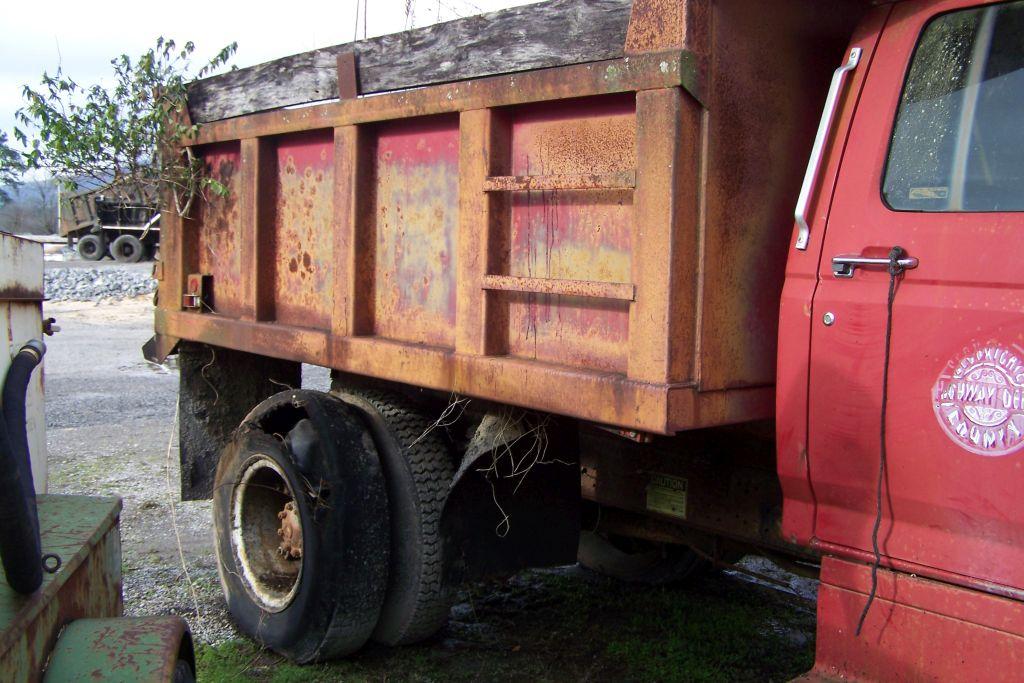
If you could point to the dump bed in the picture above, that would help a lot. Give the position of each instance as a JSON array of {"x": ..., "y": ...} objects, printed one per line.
[
  {"x": 109, "y": 206},
  {"x": 601, "y": 239}
]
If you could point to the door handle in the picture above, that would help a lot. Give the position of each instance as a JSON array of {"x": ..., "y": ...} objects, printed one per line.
[{"x": 845, "y": 265}]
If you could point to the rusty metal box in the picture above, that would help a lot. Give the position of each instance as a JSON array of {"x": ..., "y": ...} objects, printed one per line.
[{"x": 603, "y": 240}]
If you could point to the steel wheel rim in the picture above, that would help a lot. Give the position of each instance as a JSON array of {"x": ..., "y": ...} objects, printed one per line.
[{"x": 270, "y": 579}]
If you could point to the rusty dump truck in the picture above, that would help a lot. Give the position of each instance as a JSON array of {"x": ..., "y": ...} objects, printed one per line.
[{"x": 696, "y": 277}]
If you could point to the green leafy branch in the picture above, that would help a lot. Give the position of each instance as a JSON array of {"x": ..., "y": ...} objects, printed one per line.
[
  {"x": 128, "y": 135},
  {"x": 12, "y": 166}
]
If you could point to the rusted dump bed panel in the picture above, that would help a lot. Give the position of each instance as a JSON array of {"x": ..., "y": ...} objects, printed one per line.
[{"x": 601, "y": 240}]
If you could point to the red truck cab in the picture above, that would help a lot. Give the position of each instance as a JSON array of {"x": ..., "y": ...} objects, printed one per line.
[{"x": 923, "y": 152}]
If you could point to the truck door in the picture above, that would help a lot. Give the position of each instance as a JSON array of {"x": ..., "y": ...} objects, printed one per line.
[{"x": 934, "y": 164}]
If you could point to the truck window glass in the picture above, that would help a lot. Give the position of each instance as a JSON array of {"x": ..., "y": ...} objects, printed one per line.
[{"x": 958, "y": 143}]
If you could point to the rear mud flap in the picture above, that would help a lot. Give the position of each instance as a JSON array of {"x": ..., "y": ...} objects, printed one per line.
[
  {"x": 515, "y": 498},
  {"x": 217, "y": 389}
]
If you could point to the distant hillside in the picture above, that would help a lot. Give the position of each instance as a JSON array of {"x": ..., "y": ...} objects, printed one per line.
[{"x": 32, "y": 209}]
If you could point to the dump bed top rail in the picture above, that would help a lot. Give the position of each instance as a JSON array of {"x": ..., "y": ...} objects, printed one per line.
[{"x": 553, "y": 33}]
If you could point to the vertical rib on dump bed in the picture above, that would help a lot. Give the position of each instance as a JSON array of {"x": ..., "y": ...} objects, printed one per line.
[{"x": 602, "y": 239}]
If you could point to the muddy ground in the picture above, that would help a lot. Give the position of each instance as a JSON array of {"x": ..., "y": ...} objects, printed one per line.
[{"x": 111, "y": 418}]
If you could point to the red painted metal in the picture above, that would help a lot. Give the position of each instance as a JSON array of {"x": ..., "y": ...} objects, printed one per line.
[
  {"x": 917, "y": 629},
  {"x": 216, "y": 248},
  {"x": 946, "y": 507},
  {"x": 574, "y": 234},
  {"x": 795, "y": 320},
  {"x": 951, "y": 508},
  {"x": 825, "y": 548},
  {"x": 417, "y": 191},
  {"x": 303, "y": 228},
  {"x": 645, "y": 178}
]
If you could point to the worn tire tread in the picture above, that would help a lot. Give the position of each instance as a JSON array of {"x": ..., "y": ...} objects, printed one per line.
[
  {"x": 336, "y": 614},
  {"x": 431, "y": 471}
]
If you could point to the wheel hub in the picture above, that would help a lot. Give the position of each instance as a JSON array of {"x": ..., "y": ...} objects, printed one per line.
[{"x": 290, "y": 532}]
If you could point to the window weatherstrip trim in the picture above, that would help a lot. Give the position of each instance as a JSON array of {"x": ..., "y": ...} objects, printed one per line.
[{"x": 972, "y": 92}]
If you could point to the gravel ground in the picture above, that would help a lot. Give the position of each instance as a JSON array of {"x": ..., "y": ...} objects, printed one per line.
[
  {"x": 77, "y": 283},
  {"x": 110, "y": 416}
]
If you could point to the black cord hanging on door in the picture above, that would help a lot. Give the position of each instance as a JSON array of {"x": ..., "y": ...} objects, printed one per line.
[{"x": 895, "y": 276}]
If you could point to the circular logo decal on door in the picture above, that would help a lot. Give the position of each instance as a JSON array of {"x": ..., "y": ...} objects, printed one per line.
[{"x": 979, "y": 399}]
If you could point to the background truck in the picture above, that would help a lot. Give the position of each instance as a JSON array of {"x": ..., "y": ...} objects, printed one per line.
[
  {"x": 111, "y": 221},
  {"x": 553, "y": 265}
]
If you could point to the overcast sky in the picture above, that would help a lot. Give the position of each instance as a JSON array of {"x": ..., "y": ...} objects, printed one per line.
[{"x": 82, "y": 36}]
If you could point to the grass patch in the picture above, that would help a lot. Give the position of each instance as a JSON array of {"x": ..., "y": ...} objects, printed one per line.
[
  {"x": 570, "y": 626},
  {"x": 239, "y": 660},
  {"x": 682, "y": 637}
]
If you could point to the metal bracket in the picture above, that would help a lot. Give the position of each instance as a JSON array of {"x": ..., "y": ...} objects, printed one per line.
[
  {"x": 348, "y": 76},
  {"x": 198, "y": 289}
]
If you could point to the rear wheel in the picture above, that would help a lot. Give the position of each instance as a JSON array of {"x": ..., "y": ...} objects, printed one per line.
[
  {"x": 127, "y": 249},
  {"x": 91, "y": 247},
  {"x": 301, "y": 521},
  {"x": 638, "y": 561},
  {"x": 419, "y": 472}
]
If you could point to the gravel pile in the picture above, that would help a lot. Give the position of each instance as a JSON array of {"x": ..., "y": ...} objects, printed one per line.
[{"x": 94, "y": 284}]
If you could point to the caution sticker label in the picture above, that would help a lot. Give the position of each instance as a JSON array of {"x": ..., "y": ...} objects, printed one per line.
[{"x": 667, "y": 494}]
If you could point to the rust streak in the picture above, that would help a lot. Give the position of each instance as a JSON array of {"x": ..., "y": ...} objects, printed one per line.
[{"x": 20, "y": 293}]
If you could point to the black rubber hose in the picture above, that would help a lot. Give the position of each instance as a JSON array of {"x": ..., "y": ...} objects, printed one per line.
[
  {"x": 20, "y": 545},
  {"x": 15, "y": 392}
]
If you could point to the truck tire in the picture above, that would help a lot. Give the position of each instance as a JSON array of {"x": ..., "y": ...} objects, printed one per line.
[
  {"x": 638, "y": 561},
  {"x": 183, "y": 672},
  {"x": 91, "y": 247},
  {"x": 301, "y": 522},
  {"x": 127, "y": 249},
  {"x": 419, "y": 471}
]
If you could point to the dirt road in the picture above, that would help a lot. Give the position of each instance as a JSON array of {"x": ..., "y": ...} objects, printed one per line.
[{"x": 111, "y": 417}]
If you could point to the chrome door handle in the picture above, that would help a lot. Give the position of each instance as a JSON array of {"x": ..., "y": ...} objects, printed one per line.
[
  {"x": 818, "y": 150},
  {"x": 845, "y": 265}
]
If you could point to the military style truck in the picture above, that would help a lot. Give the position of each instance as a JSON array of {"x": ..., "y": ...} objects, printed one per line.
[
  {"x": 111, "y": 221},
  {"x": 653, "y": 284}
]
